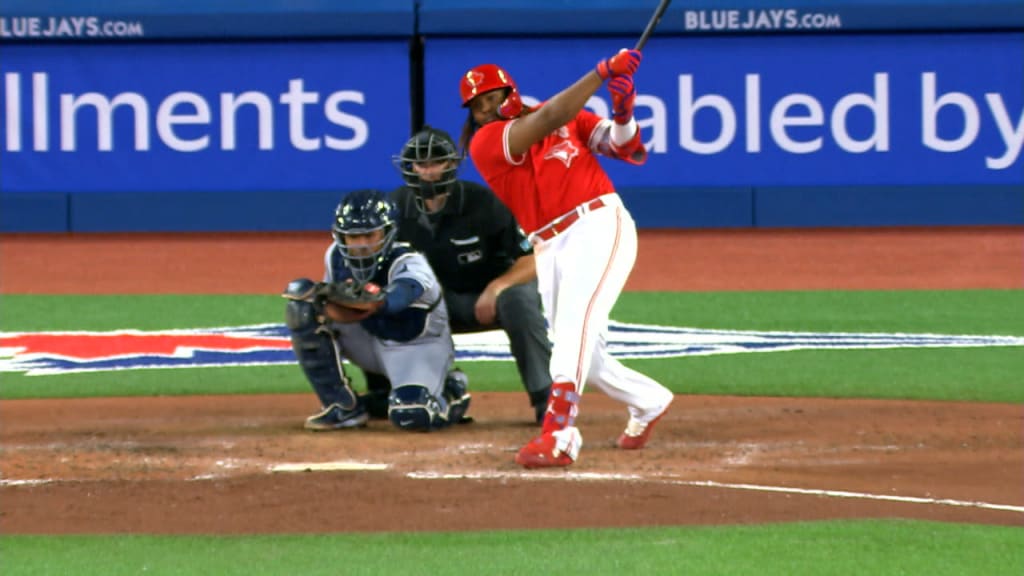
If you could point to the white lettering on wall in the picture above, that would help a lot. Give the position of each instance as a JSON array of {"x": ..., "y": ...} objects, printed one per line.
[
  {"x": 104, "y": 108},
  {"x": 40, "y": 113},
  {"x": 167, "y": 118},
  {"x": 296, "y": 99},
  {"x": 688, "y": 108},
  {"x": 878, "y": 105},
  {"x": 229, "y": 105},
  {"x": 1013, "y": 138},
  {"x": 360, "y": 130},
  {"x": 930, "y": 108},
  {"x": 184, "y": 121},
  {"x": 653, "y": 125},
  {"x": 12, "y": 111},
  {"x": 796, "y": 110}
]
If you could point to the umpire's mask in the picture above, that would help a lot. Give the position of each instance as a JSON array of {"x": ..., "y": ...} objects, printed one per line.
[{"x": 428, "y": 163}]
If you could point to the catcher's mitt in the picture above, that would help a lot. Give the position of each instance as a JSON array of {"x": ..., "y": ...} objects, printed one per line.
[{"x": 348, "y": 302}]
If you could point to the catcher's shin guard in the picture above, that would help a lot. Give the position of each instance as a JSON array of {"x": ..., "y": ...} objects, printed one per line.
[
  {"x": 413, "y": 407},
  {"x": 319, "y": 356}
]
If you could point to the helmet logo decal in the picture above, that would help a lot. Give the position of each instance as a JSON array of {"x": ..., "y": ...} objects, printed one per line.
[{"x": 474, "y": 78}]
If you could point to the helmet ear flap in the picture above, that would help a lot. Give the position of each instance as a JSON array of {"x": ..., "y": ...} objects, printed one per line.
[{"x": 512, "y": 106}]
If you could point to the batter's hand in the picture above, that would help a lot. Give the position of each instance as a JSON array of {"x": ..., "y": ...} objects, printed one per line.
[
  {"x": 623, "y": 95},
  {"x": 624, "y": 63}
]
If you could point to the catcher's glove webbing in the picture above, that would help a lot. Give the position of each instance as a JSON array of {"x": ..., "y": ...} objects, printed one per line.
[
  {"x": 340, "y": 301},
  {"x": 369, "y": 296}
]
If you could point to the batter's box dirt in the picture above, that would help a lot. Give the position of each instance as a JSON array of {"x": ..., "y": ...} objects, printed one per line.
[{"x": 207, "y": 464}]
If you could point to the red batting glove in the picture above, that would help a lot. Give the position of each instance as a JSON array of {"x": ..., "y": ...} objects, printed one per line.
[
  {"x": 622, "y": 64},
  {"x": 623, "y": 93}
]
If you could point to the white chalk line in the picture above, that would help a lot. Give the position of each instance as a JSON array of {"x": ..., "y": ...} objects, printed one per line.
[
  {"x": 339, "y": 465},
  {"x": 591, "y": 476}
]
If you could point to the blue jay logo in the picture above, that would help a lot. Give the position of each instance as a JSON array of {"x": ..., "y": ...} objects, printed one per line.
[{"x": 51, "y": 353}]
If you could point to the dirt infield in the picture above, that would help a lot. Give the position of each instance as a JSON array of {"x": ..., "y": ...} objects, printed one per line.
[{"x": 204, "y": 464}]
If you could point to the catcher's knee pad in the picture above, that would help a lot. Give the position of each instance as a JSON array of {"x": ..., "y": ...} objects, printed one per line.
[
  {"x": 300, "y": 316},
  {"x": 413, "y": 407}
]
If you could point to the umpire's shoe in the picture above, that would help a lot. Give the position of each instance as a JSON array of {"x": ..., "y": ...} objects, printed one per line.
[{"x": 333, "y": 417}]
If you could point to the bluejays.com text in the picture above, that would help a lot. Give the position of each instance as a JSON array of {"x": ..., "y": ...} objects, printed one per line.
[
  {"x": 68, "y": 27},
  {"x": 759, "y": 20}
]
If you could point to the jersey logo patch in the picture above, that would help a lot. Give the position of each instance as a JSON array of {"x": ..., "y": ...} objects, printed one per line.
[
  {"x": 565, "y": 151},
  {"x": 470, "y": 257}
]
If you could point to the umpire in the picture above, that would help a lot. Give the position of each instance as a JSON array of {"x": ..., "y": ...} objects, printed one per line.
[{"x": 479, "y": 253}]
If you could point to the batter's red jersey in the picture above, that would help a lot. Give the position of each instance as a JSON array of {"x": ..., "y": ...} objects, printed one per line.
[{"x": 554, "y": 176}]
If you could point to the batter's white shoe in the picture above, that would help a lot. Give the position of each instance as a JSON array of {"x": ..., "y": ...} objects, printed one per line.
[{"x": 636, "y": 434}]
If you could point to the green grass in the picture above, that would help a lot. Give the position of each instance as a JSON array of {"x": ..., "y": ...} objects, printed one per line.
[
  {"x": 940, "y": 311},
  {"x": 798, "y": 549},
  {"x": 980, "y": 374}
]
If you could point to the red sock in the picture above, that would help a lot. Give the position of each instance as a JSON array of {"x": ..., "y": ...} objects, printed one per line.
[{"x": 562, "y": 408}]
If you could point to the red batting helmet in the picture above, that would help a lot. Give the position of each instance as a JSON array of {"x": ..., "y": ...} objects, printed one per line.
[{"x": 488, "y": 77}]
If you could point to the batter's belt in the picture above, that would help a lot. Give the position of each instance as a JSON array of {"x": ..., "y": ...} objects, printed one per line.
[{"x": 562, "y": 223}]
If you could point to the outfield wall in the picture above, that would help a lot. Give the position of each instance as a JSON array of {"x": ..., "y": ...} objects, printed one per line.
[{"x": 143, "y": 115}]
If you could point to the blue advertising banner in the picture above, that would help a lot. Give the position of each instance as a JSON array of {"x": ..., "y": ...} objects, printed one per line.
[
  {"x": 940, "y": 109},
  {"x": 701, "y": 17},
  {"x": 202, "y": 117},
  {"x": 132, "y": 20}
]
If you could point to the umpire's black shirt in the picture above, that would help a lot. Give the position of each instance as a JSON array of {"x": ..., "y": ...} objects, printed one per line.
[{"x": 471, "y": 241}]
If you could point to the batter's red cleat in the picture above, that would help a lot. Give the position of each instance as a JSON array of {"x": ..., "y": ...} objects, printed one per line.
[
  {"x": 550, "y": 450},
  {"x": 636, "y": 433}
]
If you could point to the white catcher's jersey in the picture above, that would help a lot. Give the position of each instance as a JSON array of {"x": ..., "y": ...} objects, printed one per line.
[{"x": 413, "y": 346}]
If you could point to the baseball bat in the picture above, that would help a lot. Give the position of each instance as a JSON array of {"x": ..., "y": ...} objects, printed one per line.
[{"x": 655, "y": 18}]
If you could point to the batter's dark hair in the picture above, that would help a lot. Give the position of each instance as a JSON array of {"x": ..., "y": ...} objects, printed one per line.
[{"x": 470, "y": 126}]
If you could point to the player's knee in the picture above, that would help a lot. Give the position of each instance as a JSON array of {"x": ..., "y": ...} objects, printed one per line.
[
  {"x": 300, "y": 316},
  {"x": 413, "y": 407},
  {"x": 518, "y": 305}
]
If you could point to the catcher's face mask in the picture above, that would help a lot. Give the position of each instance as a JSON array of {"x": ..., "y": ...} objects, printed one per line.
[
  {"x": 364, "y": 229},
  {"x": 418, "y": 162}
]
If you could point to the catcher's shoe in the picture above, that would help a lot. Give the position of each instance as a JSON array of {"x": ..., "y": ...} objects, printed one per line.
[
  {"x": 333, "y": 417},
  {"x": 636, "y": 434},
  {"x": 456, "y": 393},
  {"x": 551, "y": 449}
]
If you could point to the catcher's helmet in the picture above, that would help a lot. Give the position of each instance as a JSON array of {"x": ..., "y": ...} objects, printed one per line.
[
  {"x": 488, "y": 77},
  {"x": 427, "y": 146},
  {"x": 364, "y": 212}
]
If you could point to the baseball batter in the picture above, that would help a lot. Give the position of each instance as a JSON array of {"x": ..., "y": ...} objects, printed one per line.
[
  {"x": 542, "y": 163},
  {"x": 402, "y": 333}
]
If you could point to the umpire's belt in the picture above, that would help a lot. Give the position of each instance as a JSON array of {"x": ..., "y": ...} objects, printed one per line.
[{"x": 562, "y": 223}]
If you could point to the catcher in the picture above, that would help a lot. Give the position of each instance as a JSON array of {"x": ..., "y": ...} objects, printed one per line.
[{"x": 379, "y": 307}]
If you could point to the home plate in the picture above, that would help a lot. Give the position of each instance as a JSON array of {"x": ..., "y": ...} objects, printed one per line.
[{"x": 326, "y": 466}]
